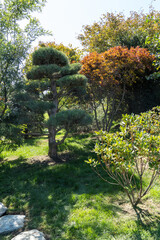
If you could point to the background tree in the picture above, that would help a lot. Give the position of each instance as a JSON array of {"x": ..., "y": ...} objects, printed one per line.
[
  {"x": 112, "y": 76},
  {"x": 154, "y": 45},
  {"x": 15, "y": 43},
  {"x": 55, "y": 83},
  {"x": 117, "y": 30}
]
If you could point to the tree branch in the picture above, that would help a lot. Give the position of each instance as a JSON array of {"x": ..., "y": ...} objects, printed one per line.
[{"x": 61, "y": 141}]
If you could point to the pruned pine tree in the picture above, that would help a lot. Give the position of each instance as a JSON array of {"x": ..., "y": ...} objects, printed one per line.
[{"x": 58, "y": 84}]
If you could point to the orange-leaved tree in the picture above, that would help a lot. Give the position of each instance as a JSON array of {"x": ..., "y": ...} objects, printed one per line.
[{"x": 110, "y": 76}]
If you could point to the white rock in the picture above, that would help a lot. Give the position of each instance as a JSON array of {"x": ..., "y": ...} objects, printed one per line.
[
  {"x": 30, "y": 235},
  {"x": 10, "y": 223},
  {"x": 3, "y": 209}
]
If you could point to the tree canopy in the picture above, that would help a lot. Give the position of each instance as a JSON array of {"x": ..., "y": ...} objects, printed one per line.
[
  {"x": 114, "y": 29},
  {"x": 111, "y": 75},
  {"x": 15, "y": 43}
]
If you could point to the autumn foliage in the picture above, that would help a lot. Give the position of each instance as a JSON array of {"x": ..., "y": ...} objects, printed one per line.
[
  {"x": 110, "y": 73},
  {"x": 117, "y": 65}
]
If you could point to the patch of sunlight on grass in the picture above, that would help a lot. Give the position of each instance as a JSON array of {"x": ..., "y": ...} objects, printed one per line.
[
  {"x": 38, "y": 148},
  {"x": 88, "y": 223},
  {"x": 155, "y": 192}
]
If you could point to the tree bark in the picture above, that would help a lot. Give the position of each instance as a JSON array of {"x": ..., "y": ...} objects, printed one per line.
[
  {"x": 52, "y": 144},
  {"x": 52, "y": 130}
]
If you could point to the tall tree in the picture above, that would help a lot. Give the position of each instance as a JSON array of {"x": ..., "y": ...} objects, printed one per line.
[
  {"x": 15, "y": 42},
  {"x": 112, "y": 76},
  {"x": 117, "y": 30},
  {"x": 56, "y": 83}
]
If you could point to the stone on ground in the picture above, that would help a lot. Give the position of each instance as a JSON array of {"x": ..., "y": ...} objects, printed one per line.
[
  {"x": 10, "y": 223},
  {"x": 30, "y": 235},
  {"x": 3, "y": 209}
]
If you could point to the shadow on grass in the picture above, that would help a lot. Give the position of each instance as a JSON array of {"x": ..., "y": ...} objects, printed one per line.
[
  {"x": 145, "y": 230},
  {"x": 47, "y": 194},
  {"x": 34, "y": 140},
  {"x": 79, "y": 145}
]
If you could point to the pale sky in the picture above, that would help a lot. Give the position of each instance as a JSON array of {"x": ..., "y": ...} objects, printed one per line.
[{"x": 65, "y": 18}]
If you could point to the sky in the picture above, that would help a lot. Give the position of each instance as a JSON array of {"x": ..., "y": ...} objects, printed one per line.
[{"x": 65, "y": 18}]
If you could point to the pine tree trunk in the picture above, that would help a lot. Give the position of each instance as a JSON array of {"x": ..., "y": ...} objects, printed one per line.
[
  {"x": 52, "y": 144},
  {"x": 52, "y": 131}
]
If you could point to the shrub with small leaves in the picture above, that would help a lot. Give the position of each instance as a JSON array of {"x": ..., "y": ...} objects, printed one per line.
[{"x": 131, "y": 154}]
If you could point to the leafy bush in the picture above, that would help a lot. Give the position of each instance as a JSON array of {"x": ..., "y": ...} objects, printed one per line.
[
  {"x": 131, "y": 154},
  {"x": 10, "y": 136}
]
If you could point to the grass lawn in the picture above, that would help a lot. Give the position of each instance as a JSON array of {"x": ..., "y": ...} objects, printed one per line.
[{"x": 69, "y": 201}]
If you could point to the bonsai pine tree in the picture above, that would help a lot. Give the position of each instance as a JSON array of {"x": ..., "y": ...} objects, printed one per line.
[{"x": 58, "y": 86}]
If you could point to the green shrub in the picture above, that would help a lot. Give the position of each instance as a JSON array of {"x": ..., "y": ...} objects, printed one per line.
[{"x": 131, "y": 154}]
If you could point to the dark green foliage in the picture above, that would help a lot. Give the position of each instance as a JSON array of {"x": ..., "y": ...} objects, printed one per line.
[
  {"x": 35, "y": 85},
  {"x": 43, "y": 71},
  {"x": 71, "y": 69},
  {"x": 70, "y": 118},
  {"x": 12, "y": 136},
  {"x": 72, "y": 80},
  {"x": 64, "y": 88},
  {"x": 28, "y": 103},
  {"x": 39, "y": 106},
  {"x": 48, "y": 55},
  {"x": 138, "y": 39},
  {"x": 73, "y": 54},
  {"x": 15, "y": 44},
  {"x": 143, "y": 96},
  {"x": 153, "y": 96},
  {"x": 78, "y": 91},
  {"x": 21, "y": 97},
  {"x": 27, "y": 109}
]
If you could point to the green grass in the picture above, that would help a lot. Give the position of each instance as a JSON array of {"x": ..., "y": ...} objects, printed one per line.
[
  {"x": 30, "y": 148},
  {"x": 69, "y": 201}
]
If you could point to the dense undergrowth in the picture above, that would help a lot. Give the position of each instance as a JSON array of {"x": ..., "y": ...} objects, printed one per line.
[{"x": 69, "y": 201}]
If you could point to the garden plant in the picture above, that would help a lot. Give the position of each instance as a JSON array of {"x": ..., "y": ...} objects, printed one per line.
[
  {"x": 56, "y": 84},
  {"x": 117, "y": 82},
  {"x": 131, "y": 154}
]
